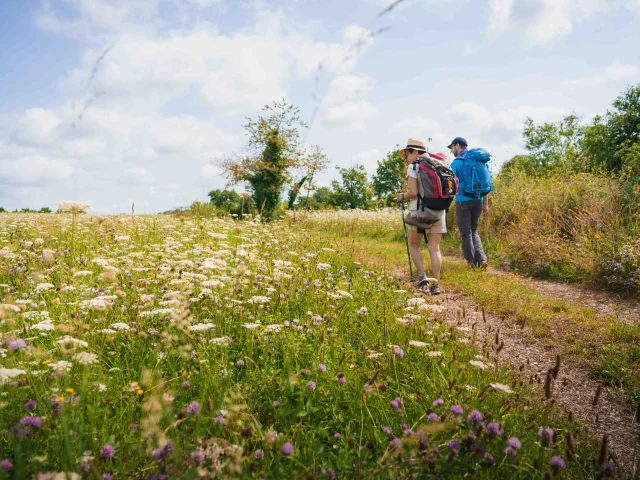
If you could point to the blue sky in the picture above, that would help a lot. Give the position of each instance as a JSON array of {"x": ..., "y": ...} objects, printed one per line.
[{"x": 180, "y": 76}]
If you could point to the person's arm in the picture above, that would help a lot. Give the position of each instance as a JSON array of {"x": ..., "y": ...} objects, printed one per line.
[
  {"x": 485, "y": 204},
  {"x": 411, "y": 193},
  {"x": 413, "y": 189}
]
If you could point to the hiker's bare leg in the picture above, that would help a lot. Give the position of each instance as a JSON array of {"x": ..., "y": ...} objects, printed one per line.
[
  {"x": 434, "y": 253},
  {"x": 415, "y": 239}
]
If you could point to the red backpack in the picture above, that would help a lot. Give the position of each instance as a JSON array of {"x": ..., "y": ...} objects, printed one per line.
[{"x": 437, "y": 184}]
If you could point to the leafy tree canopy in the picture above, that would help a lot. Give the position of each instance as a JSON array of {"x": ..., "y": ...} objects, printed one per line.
[{"x": 354, "y": 189}]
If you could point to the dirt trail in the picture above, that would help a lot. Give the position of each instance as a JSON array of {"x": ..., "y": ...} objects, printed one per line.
[
  {"x": 574, "y": 390},
  {"x": 608, "y": 304}
]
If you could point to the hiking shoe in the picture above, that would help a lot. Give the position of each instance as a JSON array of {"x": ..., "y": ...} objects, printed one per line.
[
  {"x": 483, "y": 265},
  {"x": 422, "y": 280},
  {"x": 435, "y": 289}
]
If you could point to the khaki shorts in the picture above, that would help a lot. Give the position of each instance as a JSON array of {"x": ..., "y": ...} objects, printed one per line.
[{"x": 439, "y": 227}]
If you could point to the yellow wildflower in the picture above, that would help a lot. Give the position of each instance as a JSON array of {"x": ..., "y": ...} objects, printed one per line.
[{"x": 46, "y": 362}]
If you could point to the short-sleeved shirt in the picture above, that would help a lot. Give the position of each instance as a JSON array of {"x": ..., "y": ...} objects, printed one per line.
[{"x": 441, "y": 225}]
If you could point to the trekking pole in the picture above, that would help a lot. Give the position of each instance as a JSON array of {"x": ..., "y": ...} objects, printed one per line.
[{"x": 406, "y": 239}]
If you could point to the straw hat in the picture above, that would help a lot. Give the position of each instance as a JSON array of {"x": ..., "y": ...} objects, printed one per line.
[{"x": 414, "y": 144}]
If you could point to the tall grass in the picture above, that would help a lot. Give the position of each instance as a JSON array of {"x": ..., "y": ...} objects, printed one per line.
[
  {"x": 164, "y": 347},
  {"x": 570, "y": 227}
]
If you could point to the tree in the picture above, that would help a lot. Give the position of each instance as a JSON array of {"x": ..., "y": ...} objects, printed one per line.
[
  {"x": 389, "y": 177},
  {"x": 354, "y": 191},
  {"x": 272, "y": 152},
  {"x": 553, "y": 145},
  {"x": 312, "y": 163},
  {"x": 320, "y": 199},
  {"x": 230, "y": 201},
  {"x": 294, "y": 191},
  {"x": 610, "y": 141}
]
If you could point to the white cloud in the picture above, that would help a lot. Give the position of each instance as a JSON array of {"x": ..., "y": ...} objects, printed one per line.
[
  {"x": 137, "y": 175},
  {"x": 169, "y": 191},
  {"x": 497, "y": 127},
  {"x": 419, "y": 128},
  {"x": 33, "y": 170},
  {"x": 166, "y": 94},
  {"x": 210, "y": 171},
  {"x": 634, "y": 5},
  {"x": 369, "y": 159},
  {"x": 349, "y": 87},
  {"x": 468, "y": 50},
  {"x": 36, "y": 127},
  {"x": 540, "y": 21},
  {"x": 343, "y": 104},
  {"x": 93, "y": 15},
  {"x": 352, "y": 114},
  {"x": 613, "y": 73}
]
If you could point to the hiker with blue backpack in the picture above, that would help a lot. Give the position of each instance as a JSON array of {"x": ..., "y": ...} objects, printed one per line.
[{"x": 474, "y": 177}]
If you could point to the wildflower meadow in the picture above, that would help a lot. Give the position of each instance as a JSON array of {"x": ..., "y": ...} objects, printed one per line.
[{"x": 160, "y": 347}]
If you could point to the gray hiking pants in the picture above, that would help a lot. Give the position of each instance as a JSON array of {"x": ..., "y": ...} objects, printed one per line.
[{"x": 467, "y": 216}]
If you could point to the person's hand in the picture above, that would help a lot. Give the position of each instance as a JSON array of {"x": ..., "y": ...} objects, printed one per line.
[
  {"x": 485, "y": 209},
  {"x": 400, "y": 196}
]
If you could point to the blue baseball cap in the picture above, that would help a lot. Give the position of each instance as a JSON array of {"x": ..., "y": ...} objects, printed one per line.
[{"x": 459, "y": 141}]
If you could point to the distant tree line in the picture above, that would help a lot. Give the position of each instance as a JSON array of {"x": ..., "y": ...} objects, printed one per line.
[
  {"x": 352, "y": 190},
  {"x": 27, "y": 210},
  {"x": 275, "y": 161}
]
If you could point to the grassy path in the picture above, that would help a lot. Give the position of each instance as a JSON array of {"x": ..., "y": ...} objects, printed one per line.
[{"x": 532, "y": 329}]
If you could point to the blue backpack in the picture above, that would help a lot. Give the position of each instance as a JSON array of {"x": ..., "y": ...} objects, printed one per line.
[{"x": 475, "y": 180}]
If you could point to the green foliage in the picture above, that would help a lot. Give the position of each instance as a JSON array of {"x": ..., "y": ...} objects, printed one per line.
[
  {"x": 231, "y": 202},
  {"x": 389, "y": 178},
  {"x": 272, "y": 152},
  {"x": 293, "y": 193},
  {"x": 609, "y": 144},
  {"x": 29, "y": 210},
  {"x": 353, "y": 191},
  {"x": 313, "y": 163},
  {"x": 569, "y": 208},
  {"x": 320, "y": 199},
  {"x": 267, "y": 183},
  {"x": 611, "y": 136},
  {"x": 552, "y": 145},
  {"x": 565, "y": 226}
]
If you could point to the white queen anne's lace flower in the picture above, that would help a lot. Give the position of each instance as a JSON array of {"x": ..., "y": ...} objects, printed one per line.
[
  {"x": 120, "y": 326},
  {"x": 9, "y": 373},
  {"x": 86, "y": 358},
  {"x": 66, "y": 340},
  {"x": 479, "y": 364},
  {"x": 201, "y": 327},
  {"x": 73, "y": 207},
  {"x": 501, "y": 387}
]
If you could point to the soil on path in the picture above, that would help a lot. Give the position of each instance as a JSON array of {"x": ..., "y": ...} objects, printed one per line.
[
  {"x": 605, "y": 303},
  {"x": 573, "y": 389}
]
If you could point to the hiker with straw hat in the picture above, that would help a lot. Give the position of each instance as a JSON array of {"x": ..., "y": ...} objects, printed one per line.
[{"x": 411, "y": 154}]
